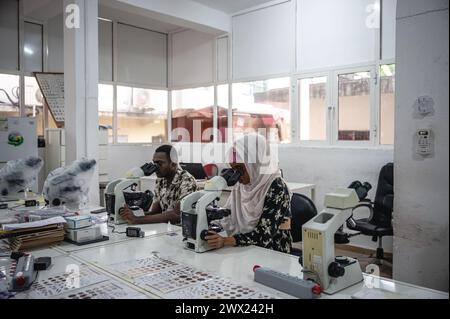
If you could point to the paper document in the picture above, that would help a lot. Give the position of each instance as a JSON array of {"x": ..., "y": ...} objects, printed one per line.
[{"x": 39, "y": 223}]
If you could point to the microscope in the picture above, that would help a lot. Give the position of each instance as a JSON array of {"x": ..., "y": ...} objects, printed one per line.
[
  {"x": 332, "y": 273},
  {"x": 125, "y": 191},
  {"x": 199, "y": 210}
]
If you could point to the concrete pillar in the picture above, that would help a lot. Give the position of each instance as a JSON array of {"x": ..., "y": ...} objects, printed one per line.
[
  {"x": 421, "y": 184},
  {"x": 81, "y": 83}
]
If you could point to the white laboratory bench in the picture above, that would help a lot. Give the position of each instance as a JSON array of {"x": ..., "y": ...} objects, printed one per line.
[
  {"x": 118, "y": 235},
  {"x": 236, "y": 264},
  {"x": 53, "y": 279},
  {"x": 232, "y": 263}
]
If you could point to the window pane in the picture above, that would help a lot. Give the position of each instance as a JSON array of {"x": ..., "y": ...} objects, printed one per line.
[
  {"x": 263, "y": 106},
  {"x": 9, "y": 95},
  {"x": 141, "y": 115},
  {"x": 34, "y": 106},
  {"x": 354, "y": 107},
  {"x": 222, "y": 112},
  {"x": 32, "y": 49},
  {"x": 387, "y": 103},
  {"x": 192, "y": 110},
  {"x": 313, "y": 109},
  {"x": 105, "y": 108}
]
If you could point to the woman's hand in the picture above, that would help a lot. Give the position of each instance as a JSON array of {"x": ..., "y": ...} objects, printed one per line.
[
  {"x": 216, "y": 241},
  {"x": 128, "y": 215}
]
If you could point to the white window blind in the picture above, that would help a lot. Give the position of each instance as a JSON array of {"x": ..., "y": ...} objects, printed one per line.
[
  {"x": 192, "y": 58},
  {"x": 222, "y": 59},
  {"x": 105, "y": 49},
  {"x": 141, "y": 56},
  {"x": 263, "y": 41},
  {"x": 389, "y": 9},
  {"x": 9, "y": 34},
  {"x": 335, "y": 33}
]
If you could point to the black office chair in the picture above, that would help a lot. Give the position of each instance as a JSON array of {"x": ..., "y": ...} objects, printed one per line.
[
  {"x": 379, "y": 223},
  {"x": 302, "y": 210}
]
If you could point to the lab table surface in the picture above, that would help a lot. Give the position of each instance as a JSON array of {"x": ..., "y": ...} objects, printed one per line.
[
  {"x": 236, "y": 264},
  {"x": 117, "y": 235},
  {"x": 56, "y": 282}
]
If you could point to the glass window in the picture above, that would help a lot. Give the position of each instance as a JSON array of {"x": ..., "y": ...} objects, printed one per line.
[
  {"x": 34, "y": 103},
  {"x": 9, "y": 95},
  {"x": 387, "y": 104},
  {"x": 263, "y": 106},
  {"x": 32, "y": 49},
  {"x": 222, "y": 112},
  {"x": 313, "y": 109},
  {"x": 105, "y": 108},
  {"x": 141, "y": 115},
  {"x": 354, "y": 106},
  {"x": 192, "y": 114}
]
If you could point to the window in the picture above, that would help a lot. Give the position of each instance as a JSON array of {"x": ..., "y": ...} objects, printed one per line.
[
  {"x": 34, "y": 103},
  {"x": 33, "y": 47},
  {"x": 9, "y": 95},
  {"x": 141, "y": 115},
  {"x": 263, "y": 106},
  {"x": 313, "y": 109},
  {"x": 354, "y": 106},
  {"x": 192, "y": 115},
  {"x": 387, "y": 104},
  {"x": 106, "y": 108},
  {"x": 222, "y": 112}
]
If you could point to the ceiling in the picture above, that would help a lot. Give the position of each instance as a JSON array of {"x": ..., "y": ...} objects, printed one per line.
[{"x": 231, "y": 6}]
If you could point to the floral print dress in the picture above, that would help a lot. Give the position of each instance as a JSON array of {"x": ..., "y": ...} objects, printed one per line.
[{"x": 267, "y": 233}]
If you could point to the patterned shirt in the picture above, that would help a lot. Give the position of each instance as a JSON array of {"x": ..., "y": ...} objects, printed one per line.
[
  {"x": 277, "y": 207},
  {"x": 167, "y": 195}
]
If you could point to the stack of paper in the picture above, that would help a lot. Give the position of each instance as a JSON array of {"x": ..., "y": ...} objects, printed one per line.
[{"x": 26, "y": 236}]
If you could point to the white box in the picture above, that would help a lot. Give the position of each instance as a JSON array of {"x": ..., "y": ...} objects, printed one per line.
[
  {"x": 77, "y": 222},
  {"x": 84, "y": 234}
]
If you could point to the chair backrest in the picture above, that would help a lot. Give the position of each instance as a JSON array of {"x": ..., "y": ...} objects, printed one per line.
[
  {"x": 211, "y": 170},
  {"x": 382, "y": 210},
  {"x": 302, "y": 210}
]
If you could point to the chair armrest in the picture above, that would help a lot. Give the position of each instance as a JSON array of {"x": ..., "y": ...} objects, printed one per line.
[{"x": 368, "y": 205}]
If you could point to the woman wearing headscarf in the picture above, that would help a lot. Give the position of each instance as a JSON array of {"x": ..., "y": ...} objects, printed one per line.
[{"x": 259, "y": 204}]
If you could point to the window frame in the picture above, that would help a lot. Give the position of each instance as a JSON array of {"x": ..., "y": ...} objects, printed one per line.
[
  {"x": 373, "y": 111},
  {"x": 296, "y": 94}
]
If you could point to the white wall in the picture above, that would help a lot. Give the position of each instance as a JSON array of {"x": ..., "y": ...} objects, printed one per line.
[
  {"x": 422, "y": 185},
  {"x": 121, "y": 158},
  {"x": 330, "y": 168}
]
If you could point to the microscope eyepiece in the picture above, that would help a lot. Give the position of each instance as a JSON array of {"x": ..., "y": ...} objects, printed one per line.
[{"x": 232, "y": 176}]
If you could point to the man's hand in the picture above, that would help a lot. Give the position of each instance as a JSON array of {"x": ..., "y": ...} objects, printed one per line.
[{"x": 128, "y": 215}]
